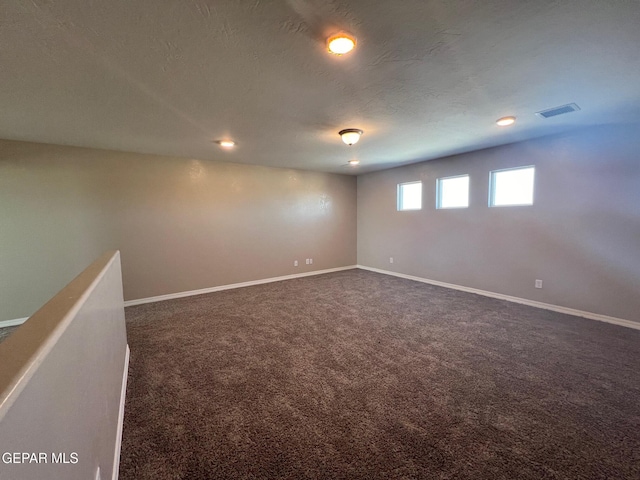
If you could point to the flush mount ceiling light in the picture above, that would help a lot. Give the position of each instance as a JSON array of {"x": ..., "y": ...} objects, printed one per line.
[
  {"x": 354, "y": 162},
  {"x": 505, "y": 121},
  {"x": 341, "y": 43},
  {"x": 226, "y": 143},
  {"x": 350, "y": 135}
]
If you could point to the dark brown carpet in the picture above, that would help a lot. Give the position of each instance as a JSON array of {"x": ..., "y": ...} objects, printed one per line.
[{"x": 357, "y": 375}]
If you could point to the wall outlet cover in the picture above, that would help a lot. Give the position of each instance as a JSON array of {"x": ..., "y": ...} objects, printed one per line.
[{"x": 538, "y": 283}]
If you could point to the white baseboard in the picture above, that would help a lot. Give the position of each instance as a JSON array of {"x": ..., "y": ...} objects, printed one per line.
[
  {"x": 123, "y": 396},
  {"x": 171, "y": 296},
  {"x": 547, "y": 306},
  {"x": 13, "y": 323}
]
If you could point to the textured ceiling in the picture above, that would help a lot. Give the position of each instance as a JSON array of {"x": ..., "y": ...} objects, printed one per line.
[{"x": 428, "y": 79}]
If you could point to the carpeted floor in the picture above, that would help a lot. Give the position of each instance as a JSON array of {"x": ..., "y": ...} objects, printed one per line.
[{"x": 358, "y": 375}]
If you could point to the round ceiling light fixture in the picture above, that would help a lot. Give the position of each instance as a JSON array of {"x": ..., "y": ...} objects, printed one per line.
[
  {"x": 505, "y": 121},
  {"x": 341, "y": 43},
  {"x": 226, "y": 143},
  {"x": 350, "y": 135},
  {"x": 354, "y": 162}
]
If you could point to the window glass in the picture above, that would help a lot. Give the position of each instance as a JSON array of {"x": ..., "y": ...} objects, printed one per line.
[
  {"x": 513, "y": 186},
  {"x": 410, "y": 196},
  {"x": 453, "y": 192}
]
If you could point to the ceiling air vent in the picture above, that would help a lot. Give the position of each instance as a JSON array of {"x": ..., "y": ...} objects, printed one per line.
[{"x": 555, "y": 111}]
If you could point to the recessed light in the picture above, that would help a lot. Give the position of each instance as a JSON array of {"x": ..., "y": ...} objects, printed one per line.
[
  {"x": 226, "y": 143},
  {"x": 505, "y": 121},
  {"x": 354, "y": 162},
  {"x": 350, "y": 135},
  {"x": 341, "y": 43}
]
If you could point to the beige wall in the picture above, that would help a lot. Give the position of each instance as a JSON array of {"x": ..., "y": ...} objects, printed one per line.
[
  {"x": 62, "y": 380},
  {"x": 581, "y": 237},
  {"x": 180, "y": 224}
]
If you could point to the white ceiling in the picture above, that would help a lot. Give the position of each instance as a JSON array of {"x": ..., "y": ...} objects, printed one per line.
[{"x": 428, "y": 78}]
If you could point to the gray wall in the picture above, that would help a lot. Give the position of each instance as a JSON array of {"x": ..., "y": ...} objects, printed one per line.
[
  {"x": 61, "y": 380},
  {"x": 581, "y": 236},
  {"x": 180, "y": 224}
]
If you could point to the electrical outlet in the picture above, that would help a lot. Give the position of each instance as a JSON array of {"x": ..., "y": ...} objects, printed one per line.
[
  {"x": 390, "y": 259},
  {"x": 311, "y": 261},
  {"x": 307, "y": 261},
  {"x": 295, "y": 263},
  {"x": 538, "y": 283}
]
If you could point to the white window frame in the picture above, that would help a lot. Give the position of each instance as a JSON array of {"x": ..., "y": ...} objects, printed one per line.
[
  {"x": 439, "y": 191},
  {"x": 492, "y": 192},
  {"x": 399, "y": 197}
]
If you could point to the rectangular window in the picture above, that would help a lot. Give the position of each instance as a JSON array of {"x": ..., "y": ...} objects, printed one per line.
[
  {"x": 512, "y": 186},
  {"x": 410, "y": 196},
  {"x": 452, "y": 192}
]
